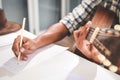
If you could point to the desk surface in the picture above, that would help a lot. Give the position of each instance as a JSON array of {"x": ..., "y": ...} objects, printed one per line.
[{"x": 64, "y": 66}]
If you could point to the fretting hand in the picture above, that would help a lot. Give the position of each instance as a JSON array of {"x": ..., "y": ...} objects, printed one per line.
[{"x": 84, "y": 45}]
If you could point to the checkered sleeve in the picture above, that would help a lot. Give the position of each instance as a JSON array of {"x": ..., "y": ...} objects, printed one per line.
[{"x": 80, "y": 15}]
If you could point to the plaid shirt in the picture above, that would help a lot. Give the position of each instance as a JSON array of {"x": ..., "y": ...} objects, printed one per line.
[{"x": 84, "y": 12}]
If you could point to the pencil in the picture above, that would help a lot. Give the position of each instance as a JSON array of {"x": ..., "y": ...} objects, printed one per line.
[{"x": 21, "y": 37}]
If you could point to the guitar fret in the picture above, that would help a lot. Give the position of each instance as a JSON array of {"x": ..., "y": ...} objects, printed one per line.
[
  {"x": 102, "y": 48},
  {"x": 94, "y": 35}
]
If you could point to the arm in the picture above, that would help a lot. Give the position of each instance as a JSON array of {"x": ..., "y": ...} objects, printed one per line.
[
  {"x": 54, "y": 33},
  {"x": 80, "y": 15}
]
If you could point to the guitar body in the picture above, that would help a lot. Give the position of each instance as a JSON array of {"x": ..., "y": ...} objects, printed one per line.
[{"x": 107, "y": 40}]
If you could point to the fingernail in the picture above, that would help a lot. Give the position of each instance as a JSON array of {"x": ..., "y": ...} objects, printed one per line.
[
  {"x": 17, "y": 52},
  {"x": 88, "y": 28},
  {"x": 25, "y": 58},
  {"x": 90, "y": 22}
]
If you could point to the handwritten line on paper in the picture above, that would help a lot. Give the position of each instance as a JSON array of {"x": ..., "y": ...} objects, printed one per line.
[{"x": 36, "y": 58}]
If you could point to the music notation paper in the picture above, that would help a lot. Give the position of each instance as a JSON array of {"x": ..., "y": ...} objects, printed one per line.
[{"x": 36, "y": 58}]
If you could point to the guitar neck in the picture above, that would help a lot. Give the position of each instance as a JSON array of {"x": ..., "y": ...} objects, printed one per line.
[
  {"x": 107, "y": 42},
  {"x": 103, "y": 18}
]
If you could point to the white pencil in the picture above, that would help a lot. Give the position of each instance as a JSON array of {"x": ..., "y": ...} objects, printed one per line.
[{"x": 22, "y": 30}]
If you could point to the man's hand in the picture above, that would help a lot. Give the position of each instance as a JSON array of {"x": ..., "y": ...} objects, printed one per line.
[
  {"x": 84, "y": 45},
  {"x": 28, "y": 47}
]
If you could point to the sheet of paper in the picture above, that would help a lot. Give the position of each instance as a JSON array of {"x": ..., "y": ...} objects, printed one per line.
[
  {"x": 37, "y": 57},
  {"x": 7, "y": 39},
  {"x": 103, "y": 74},
  {"x": 73, "y": 76}
]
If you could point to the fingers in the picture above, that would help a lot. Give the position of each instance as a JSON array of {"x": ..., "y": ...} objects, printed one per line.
[
  {"x": 22, "y": 56},
  {"x": 26, "y": 51},
  {"x": 86, "y": 26},
  {"x": 95, "y": 54},
  {"x": 80, "y": 39},
  {"x": 16, "y": 47},
  {"x": 82, "y": 31},
  {"x": 26, "y": 45},
  {"x": 98, "y": 57},
  {"x": 23, "y": 50},
  {"x": 80, "y": 34},
  {"x": 85, "y": 29},
  {"x": 29, "y": 44},
  {"x": 76, "y": 34},
  {"x": 89, "y": 24}
]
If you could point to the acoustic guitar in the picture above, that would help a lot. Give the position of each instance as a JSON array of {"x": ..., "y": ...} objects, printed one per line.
[{"x": 105, "y": 39}]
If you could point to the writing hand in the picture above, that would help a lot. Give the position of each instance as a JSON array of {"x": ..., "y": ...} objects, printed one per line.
[{"x": 28, "y": 47}]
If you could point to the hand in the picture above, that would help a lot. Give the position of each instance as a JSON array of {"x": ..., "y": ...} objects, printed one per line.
[
  {"x": 84, "y": 45},
  {"x": 28, "y": 47}
]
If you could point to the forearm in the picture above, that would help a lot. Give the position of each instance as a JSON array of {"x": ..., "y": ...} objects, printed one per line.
[{"x": 54, "y": 33}]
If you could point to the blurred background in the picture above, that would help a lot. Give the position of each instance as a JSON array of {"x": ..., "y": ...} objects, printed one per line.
[{"x": 40, "y": 14}]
